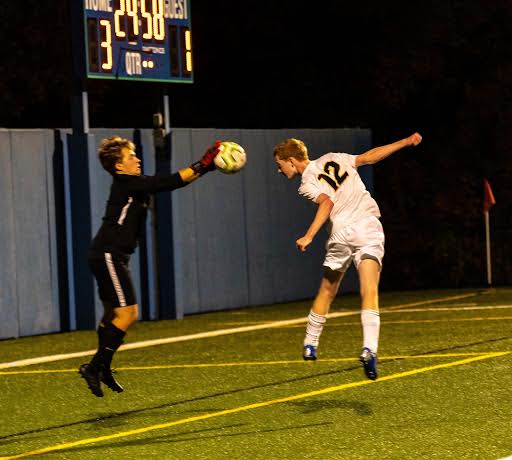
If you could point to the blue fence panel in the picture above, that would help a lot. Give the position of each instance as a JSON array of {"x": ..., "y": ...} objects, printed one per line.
[
  {"x": 185, "y": 263},
  {"x": 220, "y": 229},
  {"x": 35, "y": 268},
  {"x": 9, "y": 324},
  {"x": 258, "y": 205},
  {"x": 222, "y": 241},
  {"x": 34, "y": 225},
  {"x": 233, "y": 236}
]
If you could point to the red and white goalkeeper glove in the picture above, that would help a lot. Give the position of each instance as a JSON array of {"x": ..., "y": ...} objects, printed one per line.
[{"x": 206, "y": 163}]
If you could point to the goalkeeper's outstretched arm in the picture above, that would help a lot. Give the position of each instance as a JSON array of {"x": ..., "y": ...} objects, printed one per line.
[{"x": 202, "y": 166}]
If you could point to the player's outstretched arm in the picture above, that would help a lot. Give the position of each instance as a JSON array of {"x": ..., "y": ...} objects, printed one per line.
[
  {"x": 169, "y": 182},
  {"x": 325, "y": 206},
  {"x": 201, "y": 167},
  {"x": 379, "y": 153}
]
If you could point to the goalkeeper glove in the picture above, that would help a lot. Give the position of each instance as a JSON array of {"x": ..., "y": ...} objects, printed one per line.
[{"x": 206, "y": 163}]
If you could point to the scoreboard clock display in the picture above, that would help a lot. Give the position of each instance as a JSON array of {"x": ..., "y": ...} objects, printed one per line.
[{"x": 147, "y": 40}]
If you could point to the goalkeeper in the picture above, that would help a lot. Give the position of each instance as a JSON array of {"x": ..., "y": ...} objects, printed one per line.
[
  {"x": 116, "y": 240},
  {"x": 355, "y": 233}
]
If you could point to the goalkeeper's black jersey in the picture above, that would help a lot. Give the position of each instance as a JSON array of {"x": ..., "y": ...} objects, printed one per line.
[{"x": 125, "y": 214}]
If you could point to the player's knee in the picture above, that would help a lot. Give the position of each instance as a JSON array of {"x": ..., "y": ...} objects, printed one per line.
[
  {"x": 127, "y": 314},
  {"x": 108, "y": 313},
  {"x": 133, "y": 316},
  {"x": 327, "y": 292}
]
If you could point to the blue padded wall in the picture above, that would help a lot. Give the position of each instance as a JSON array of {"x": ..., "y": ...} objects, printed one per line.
[
  {"x": 30, "y": 303},
  {"x": 9, "y": 325},
  {"x": 260, "y": 230},
  {"x": 35, "y": 234},
  {"x": 185, "y": 267},
  {"x": 233, "y": 235},
  {"x": 209, "y": 231}
]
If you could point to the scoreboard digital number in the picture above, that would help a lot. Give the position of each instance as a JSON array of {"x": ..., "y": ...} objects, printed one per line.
[{"x": 147, "y": 40}]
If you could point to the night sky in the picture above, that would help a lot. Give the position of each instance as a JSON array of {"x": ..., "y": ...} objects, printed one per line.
[{"x": 442, "y": 68}]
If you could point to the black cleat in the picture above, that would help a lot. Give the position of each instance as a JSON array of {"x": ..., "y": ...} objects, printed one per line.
[
  {"x": 92, "y": 377},
  {"x": 108, "y": 379}
]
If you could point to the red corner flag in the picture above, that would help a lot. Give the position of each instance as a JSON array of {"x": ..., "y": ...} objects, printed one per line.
[{"x": 489, "y": 200}]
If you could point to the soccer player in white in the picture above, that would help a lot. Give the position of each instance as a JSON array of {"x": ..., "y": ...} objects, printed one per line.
[{"x": 355, "y": 233}]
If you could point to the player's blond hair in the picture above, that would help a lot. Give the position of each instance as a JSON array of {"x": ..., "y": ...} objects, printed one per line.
[
  {"x": 110, "y": 152},
  {"x": 291, "y": 148}
]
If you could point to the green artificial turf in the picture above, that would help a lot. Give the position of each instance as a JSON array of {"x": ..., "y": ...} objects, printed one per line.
[{"x": 250, "y": 396}]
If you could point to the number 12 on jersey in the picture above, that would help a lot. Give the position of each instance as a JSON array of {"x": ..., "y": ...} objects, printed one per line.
[{"x": 332, "y": 175}]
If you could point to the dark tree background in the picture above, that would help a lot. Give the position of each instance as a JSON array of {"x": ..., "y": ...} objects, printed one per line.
[{"x": 442, "y": 68}]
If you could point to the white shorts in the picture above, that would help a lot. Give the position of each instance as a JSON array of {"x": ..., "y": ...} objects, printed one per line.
[{"x": 360, "y": 240}]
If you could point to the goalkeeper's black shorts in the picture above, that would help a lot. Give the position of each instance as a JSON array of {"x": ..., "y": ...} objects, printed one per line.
[{"x": 114, "y": 280}]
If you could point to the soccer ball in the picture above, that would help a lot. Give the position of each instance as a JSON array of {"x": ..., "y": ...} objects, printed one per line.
[{"x": 231, "y": 158}]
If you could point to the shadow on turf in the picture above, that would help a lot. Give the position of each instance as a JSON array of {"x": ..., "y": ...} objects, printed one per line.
[
  {"x": 177, "y": 437},
  {"x": 102, "y": 418},
  {"x": 359, "y": 407}
]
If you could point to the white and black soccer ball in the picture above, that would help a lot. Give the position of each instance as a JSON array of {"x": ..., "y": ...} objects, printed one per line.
[{"x": 231, "y": 157}]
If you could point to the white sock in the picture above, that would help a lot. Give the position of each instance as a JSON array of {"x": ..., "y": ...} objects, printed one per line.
[
  {"x": 370, "y": 320},
  {"x": 314, "y": 328}
]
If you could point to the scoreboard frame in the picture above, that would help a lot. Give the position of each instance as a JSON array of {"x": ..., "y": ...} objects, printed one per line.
[{"x": 138, "y": 40}]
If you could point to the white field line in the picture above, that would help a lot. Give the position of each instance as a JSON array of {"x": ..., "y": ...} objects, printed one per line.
[
  {"x": 182, "y": 338},
  {"x": 438, "y": 300},
  {"x": 479, "y": 307},
  {"x": 217, "y": 333},
  {"x": 422, "y": 310}
]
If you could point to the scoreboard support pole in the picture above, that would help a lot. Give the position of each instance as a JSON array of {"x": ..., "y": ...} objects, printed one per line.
[
  {"x": 113, "y": 41},
  {"x": 164, "y": 247},
  {"x": 79, "y": 184},
  {"x": 167, "y": 114}
]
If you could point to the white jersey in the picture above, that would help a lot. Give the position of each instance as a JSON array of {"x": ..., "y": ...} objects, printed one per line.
[{"x": 335, "y": 174}]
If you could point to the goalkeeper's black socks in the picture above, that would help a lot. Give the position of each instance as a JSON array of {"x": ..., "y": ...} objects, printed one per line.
[{"x": 110, "y": 339}]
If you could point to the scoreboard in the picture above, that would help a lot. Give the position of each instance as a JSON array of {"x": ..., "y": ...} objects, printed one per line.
[{"x": 147, "y": 40}]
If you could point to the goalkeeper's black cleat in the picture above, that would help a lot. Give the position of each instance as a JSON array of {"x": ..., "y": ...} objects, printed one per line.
[
  {"x": 92, "y": 376},
  {"x": 108, "y": 379}
]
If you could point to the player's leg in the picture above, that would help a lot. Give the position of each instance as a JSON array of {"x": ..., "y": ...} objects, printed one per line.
[
  {"x": 329, "y": 286},
  {"x": 368, "y": 260},
  {"x": 369, "y": 276},
  {"x": 337, "y": 258},
  {"x": 121, "y": 311},
  {"x": 111, "y": 334}
]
